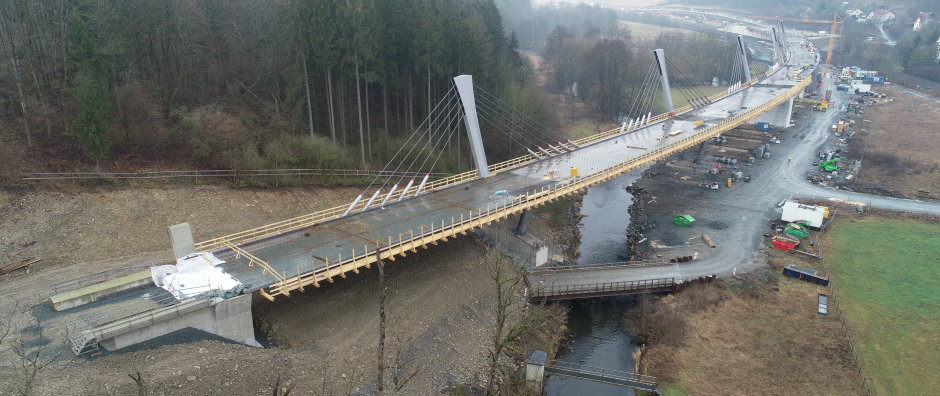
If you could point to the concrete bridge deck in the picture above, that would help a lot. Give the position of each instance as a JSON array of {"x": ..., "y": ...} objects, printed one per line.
[{"x": 312, "y": 253}]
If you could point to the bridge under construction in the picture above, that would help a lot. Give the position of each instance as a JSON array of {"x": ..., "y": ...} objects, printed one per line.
[{"x": 385, "y": 223}]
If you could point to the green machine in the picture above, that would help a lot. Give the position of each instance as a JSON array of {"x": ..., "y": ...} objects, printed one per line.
[
  {"x": 797, "y": 230},
  {"x": 683, "y": 220},
  {"x": 831, "y": 165}
]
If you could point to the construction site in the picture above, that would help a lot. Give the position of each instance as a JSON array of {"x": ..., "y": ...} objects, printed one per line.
[{"x": 210, "y": 289}]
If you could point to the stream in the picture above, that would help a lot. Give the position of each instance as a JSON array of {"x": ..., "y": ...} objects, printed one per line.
[{"x": 597, "y": 334}]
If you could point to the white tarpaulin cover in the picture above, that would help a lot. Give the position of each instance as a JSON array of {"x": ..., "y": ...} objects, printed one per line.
[{"x": 193, "y": 274}]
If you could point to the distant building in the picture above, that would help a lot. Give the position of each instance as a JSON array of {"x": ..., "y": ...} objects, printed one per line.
[
  {"x": 855, "y": 13},
  {"x": 938, "y": 49},
  {"x": 881, "y": 16},
  {"x": 922, "y": 19}
]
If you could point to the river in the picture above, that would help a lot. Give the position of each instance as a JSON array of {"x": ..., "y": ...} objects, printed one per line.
[{"x": 598, "y": 337}]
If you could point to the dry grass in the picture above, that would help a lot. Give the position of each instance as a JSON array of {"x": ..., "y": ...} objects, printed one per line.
[
  {"x": 751, "y": 337},
  {"x": 899, "y": 152}
]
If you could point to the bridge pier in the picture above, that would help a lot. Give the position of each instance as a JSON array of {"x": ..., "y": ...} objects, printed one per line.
[
  {"x": 522, "y": 228},
  {"x": 779, "y": 116}
]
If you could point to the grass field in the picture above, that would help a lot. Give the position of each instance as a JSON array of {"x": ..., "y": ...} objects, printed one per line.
[
  {"x": 887, "y": 275},
  {"x": 679, "y": 100}
]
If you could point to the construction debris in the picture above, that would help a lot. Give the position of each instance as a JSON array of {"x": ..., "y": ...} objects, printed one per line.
[
  {"x": 25, "y": 263},
  {"x": 708, "y": 241}
]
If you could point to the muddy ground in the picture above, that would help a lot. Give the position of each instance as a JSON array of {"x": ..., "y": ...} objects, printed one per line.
[
  {"x": 440, "y": 302},
  {"x": 898, "y": 146}
]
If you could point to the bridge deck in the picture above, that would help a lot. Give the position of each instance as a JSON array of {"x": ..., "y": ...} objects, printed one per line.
[
  {"x": 323, "y": 247},
  {"x": 314, "y": 248}
]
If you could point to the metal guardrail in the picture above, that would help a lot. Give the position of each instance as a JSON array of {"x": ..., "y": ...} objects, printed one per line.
[
  {"x": 603, "y": 375},
  {"x": 85, "y": 336},
  {"x": 601, "y": 266},
  {"x": 102, "y": 276}
]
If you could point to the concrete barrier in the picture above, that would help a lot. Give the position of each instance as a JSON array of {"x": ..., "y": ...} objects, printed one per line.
[{"x": 95, "y": 292}]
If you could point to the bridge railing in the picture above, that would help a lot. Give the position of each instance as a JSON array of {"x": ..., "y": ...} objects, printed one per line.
[
  {"x": 601, "y": 266},
  {"x": 625, "y": 376},
  {"x": 461, "y": 223},
  {"x": 300, "y": 222},
  {"x": 541, "y": 292}
]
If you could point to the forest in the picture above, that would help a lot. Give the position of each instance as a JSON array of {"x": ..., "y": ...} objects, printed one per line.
[
  {"x": 251, "y": 84},
  {"x": 242, "y": 83}
]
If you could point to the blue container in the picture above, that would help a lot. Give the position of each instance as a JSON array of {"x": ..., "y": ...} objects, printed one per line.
[{"x": 763, "y": 126}]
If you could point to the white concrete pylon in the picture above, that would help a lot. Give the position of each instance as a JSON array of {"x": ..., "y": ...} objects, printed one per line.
[
  {"x": 743, "y": 51},
  {"x": 660, "y": 57},
  {"x": 464, "y": 84}
]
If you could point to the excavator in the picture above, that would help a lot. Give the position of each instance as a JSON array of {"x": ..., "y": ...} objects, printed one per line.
[
  {"x": 818, "y": 105},
  {"x": 831, "y": 165}
]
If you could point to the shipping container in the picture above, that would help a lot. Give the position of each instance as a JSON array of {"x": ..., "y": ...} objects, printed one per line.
[
  {"x": 763, "y": 126},
  {"x": 805, "y": 274}
]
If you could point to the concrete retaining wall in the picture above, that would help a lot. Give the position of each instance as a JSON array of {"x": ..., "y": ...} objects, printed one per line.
[{"x": 229, "y": 319}]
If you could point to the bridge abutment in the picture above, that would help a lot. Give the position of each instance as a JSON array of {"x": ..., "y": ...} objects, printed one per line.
[{"x": 230, "y": 319}]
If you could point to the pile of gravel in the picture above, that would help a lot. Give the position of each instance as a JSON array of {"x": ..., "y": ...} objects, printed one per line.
[{"x": 717, "y": 225}]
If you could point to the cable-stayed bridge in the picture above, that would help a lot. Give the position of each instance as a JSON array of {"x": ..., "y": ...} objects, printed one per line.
[{"x": 394, "y": 217}]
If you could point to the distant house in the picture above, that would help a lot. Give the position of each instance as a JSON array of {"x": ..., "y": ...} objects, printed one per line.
[
  {"x": 881, "y": 16},
  {"x": 856, "y": 13},
  {"x": 922, "y": 19},
  {"x": 938, "y": 49}
]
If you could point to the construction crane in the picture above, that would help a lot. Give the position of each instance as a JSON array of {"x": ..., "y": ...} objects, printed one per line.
[
  {"x": 836, "y": 22},
  {"x": 819, "y": 105}
]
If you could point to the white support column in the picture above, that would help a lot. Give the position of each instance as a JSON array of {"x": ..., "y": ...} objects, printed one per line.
[
  {"x": 660, "y": 56},
  {"x": 743, "y": 49},
  {"x": 421, "y": 186},
  {"x": 371, "y": 200},
  {"x": 464, "y": 85},
  {"x": 389, "y": 195},
  {"x": 404, "y": 192},
  {"x": 773, "y": 43}
]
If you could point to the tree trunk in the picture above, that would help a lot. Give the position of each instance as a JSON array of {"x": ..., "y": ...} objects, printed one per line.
[
  {"x": 5, "y": 26},
  {"x": 429, "y": 91},
  {"x": 309, "y": 102},
  {"x": 329, "y": 96},
  {"x": 362, "y": 136},
  {"x": 342, "y": 113},
  {"x": 381, "y": 349},
  {"x": 385, "y": 105},
  {"x": 45, "y": 110},
  {"x": 368, "y": 122}
]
